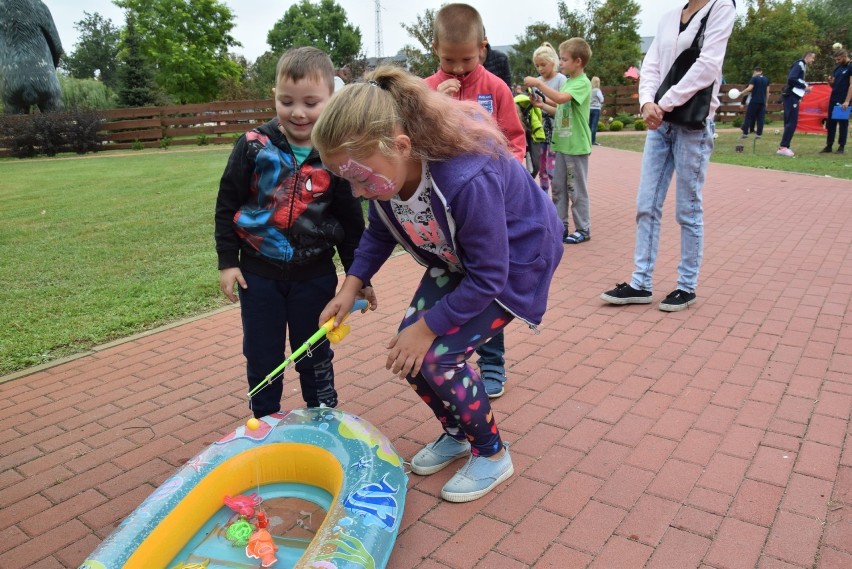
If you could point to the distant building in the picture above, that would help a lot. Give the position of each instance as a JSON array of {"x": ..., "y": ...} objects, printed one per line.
[
  {"x": 645, "y": 44},
  {"x": 399, "y": 60}
]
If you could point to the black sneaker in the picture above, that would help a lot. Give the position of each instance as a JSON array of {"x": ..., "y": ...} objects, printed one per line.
[
  {"x": 677, "y": 300},
  {"x": 841, "y": 150},
  {"x": 826, "y": 150},
  {"x": 625, "y": 294}
]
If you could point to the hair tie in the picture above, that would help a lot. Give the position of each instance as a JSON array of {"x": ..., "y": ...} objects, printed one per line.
[{"x": 373, "y": 83}]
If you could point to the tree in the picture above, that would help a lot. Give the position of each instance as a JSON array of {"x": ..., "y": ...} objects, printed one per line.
[
  {"x": 96, "y": 51},
  {"x": 611, "y": 28},
  {"x": 616, "y": 44},
  {"x": 324, "y": 25},
  {"x": 261, "y": 75},
  {"x": 577, "y": 23},
  {"x": 136, "y": 84},
  {"x": 188, "y": 41},
  {"x": 831, "y": 18},
  {"x": 422, "y": 60},
  {"x": 772, "y": 34},
  {"x": 521, "y": 56}
]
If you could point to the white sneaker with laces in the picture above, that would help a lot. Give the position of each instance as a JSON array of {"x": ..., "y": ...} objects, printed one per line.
[{"x": 785, "y": 152}]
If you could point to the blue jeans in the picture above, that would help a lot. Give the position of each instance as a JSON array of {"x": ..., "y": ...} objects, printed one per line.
[
  {"x": 594, "y": 117},
  {"x": 668, "y": 150},
  {"x": 270, "y": 309}
]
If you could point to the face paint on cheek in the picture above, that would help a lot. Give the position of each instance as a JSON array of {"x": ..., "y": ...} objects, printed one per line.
[{"x": 374, "y": 183}]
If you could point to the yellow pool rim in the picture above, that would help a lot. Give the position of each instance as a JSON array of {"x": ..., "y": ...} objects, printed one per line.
[{"x": 265, "y": 464}]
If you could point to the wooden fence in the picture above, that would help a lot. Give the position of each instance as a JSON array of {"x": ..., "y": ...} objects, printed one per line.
[
  {"x": 625, "y": 99},
  {"x": 217, "y": 122},
  {"x": 221, "y": 122}
]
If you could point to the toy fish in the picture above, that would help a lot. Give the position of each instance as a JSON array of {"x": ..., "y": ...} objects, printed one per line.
[
  {"x": 261, "y": 546},
  {"x": 243, "y": 504}
]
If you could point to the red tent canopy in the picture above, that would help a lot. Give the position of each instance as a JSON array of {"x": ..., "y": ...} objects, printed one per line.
[{"x": 813, "y": 109}]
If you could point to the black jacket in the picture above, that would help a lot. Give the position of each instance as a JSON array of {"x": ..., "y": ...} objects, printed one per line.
[
  {"x": 498, "y": 63},
  {"x": 280, "y": 220}
]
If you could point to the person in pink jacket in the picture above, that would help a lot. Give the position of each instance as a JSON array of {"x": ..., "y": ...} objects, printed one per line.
[{"x": 459, "y": 42}]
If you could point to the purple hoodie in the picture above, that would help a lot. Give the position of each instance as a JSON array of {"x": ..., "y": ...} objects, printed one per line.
[{"x": 500, "y": 224}]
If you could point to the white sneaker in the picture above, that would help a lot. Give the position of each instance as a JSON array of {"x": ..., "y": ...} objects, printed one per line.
[{"x": 785, "y": 152}]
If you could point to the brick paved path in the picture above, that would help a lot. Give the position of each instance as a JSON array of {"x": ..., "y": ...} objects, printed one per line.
[{"x": 715, "y": 437}]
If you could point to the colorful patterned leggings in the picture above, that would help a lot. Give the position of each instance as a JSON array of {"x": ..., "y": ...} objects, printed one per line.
[
  {"x": 546, "y": 166},
  {"x": 446, "y": 382}
]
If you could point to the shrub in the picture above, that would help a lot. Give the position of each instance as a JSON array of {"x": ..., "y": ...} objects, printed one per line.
[
  {"x": 51, "y": 133},
  {"x": 86, "y": 94},
  {"x": 165, "y": 142},
  {"x": 639, "y": 124},
  {"x": 616, "y": 125},
  {"x": 602, "y": 126},
  {"x": 203, "y": 140},
  {"x": 737, "y": 122},
  {"x": 624, "y": 118},
  {"x": 137, "y": 145}
]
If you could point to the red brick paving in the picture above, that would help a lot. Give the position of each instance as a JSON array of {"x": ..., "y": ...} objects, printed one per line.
[{"x": 717, "y": 437}]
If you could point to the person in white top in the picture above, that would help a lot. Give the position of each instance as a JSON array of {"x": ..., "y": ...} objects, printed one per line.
[{"x": 675, "y": 148}]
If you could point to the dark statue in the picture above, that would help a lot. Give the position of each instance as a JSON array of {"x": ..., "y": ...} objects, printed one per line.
[{"x": 29, "y": 53}]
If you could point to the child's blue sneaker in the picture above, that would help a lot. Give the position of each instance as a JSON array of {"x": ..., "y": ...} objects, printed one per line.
[
  {"x": 493, "y": 387},
  {"x": 478, "y": 477},
  {"x": 436, "y": 455}
]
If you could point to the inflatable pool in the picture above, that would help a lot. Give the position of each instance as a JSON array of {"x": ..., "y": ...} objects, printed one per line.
[{"x": 328, "y": 457}]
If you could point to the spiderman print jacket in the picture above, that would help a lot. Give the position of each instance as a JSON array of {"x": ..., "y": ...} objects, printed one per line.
[
  {"x": 280, "y": 219},
  {"x": 499, "y": 224}
]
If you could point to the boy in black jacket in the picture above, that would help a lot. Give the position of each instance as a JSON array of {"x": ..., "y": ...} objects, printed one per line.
[{"x": 280, "y": 215}]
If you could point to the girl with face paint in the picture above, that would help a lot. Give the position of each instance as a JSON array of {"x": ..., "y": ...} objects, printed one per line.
[{"x": 443, "y": 184}]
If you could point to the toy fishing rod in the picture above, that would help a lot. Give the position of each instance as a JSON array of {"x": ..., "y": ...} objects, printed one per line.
[{"x": 327, "y": 330}]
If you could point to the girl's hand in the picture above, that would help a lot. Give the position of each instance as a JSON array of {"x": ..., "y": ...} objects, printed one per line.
[
  {"x": 532, "y": 82},
  {"x": 337, "y": 308},
  {"x": 228, "y": 279},
  {"x": 408, "y": 348},
  {"x": 341, "y": 305}
]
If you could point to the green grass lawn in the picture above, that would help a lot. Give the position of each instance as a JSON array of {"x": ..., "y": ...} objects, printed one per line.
[
  {"x": 758, "y": 153},
  {"x": 101, "y": 247},
  {"x": 104, "y": 246}
]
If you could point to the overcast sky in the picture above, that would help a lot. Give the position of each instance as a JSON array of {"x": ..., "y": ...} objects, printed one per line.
[{"x": 504, "y": 19}]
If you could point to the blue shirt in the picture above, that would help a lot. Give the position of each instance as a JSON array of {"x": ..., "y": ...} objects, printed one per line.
[
  {"x": 841, "y": 82},
  {"x": 758, "y": 91}
]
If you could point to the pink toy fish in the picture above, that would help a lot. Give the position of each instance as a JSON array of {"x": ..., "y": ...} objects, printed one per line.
[{"x": 243, "y": 504}]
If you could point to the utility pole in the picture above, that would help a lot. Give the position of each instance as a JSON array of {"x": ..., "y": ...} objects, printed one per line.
[{"x": 380, "y": 48}]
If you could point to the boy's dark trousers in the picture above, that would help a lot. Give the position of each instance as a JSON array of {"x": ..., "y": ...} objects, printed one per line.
[
  {"x": 755, "y": 114},
  {"x": 272, "y": 308},
  {"x": 832, "y": 127}
]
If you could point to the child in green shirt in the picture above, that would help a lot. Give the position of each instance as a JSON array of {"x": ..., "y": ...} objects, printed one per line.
[{"x": 572, "y": 137}]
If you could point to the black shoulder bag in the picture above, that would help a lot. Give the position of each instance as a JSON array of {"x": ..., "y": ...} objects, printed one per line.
[{"x": 693, "y": 113}]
